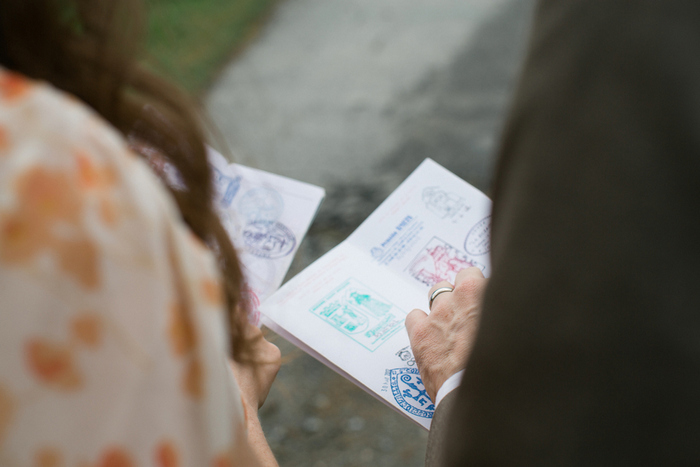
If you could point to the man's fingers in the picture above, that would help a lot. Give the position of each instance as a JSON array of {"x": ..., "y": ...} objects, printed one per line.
[
  {"x": 439, "y": 285},
  {"x": 472, "y": 272},
  {"x": 414, "y": 319},
  {"x": 446, "y": 287}
]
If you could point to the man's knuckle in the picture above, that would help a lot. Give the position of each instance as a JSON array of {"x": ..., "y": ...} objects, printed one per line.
[
  {"x": 470, "y": 286},
  {"x": 420, "y": 332},
  {"x": 442, "y": 309}
]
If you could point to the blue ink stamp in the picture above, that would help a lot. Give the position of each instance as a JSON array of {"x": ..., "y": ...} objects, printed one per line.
[
  {"x": 226, "y": 186},
  {"x": 261, "y": 205},
  {"x": 399, "y": 241},
  {"x": 269, "y": 240},
  {"x": 478, "y": 241},
  {"x": 409, "y": 392},
  {"x": 360, "y": 313}
]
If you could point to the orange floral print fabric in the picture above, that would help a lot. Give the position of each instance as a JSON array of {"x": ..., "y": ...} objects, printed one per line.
[
  {"x": 212, "y": 292},
  {"x": 112, "y": 331},
  {"x": 115, "y": 457},
  {"x": 4, "y": 143},
  {"x": 53, "y": 364},
  {"x": 7, "y": 410},
  {"x": 166, "y": 455},
  {"x": 48, "y": 200},
  {"x": 87, "y": 329},
  {"x": 49, "y": 457},
  {"x": 13, "y": 86}
]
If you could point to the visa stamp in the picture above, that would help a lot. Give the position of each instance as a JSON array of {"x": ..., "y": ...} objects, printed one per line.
[
  {"x": 478, "y": 241},
  {"x": 410, "y": 393},
  {"x": 261, "y": 205},
  {"x": 399, "y": 241},
  {"x": 444, "y": 204},
  {"x": 406, "y": 355},
  {"x": 253, "y": 301},
  {"x": 267, "y": 239},
  {"x": 225, "y": 186},
  {"x": 439, "y": 261},
  {"x": 360, "y": 313}
]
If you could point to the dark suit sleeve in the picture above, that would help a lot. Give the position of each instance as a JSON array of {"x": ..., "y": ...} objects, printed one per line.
[
  {"x": 434, "y": 456},
  {"x": 588, "y": 352}
]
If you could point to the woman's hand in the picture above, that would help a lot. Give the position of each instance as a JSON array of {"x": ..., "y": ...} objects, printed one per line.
[
  {"x": 441, "y": 341},
  {"x": 255, "y": 378}
]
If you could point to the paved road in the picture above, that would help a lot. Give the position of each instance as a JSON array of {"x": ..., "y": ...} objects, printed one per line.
[{"x": 352, "y": 95}]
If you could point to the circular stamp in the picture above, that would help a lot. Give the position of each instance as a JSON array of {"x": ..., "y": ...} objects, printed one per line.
[
  {"x": 409, "y": 392},
  {"x": 478, "y": 241},
  {"x": 270, "y": 240},
  {"x": 261, "y": 205}
]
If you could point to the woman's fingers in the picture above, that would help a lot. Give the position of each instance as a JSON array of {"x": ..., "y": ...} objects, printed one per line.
[{"x": 255, "y": 377}]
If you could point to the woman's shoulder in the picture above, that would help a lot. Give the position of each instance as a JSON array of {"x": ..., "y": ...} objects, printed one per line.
[
  {"x": 34, "y": 113},
  {"x": 76, "y": 203},
  {"x": 66, "y": 174},
  {"x": 49, "y": 136},
  {"x": 104, "y": 290}
]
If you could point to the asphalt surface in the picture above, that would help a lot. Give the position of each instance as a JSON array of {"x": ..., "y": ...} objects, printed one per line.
[{"x": 352, "y": 95}]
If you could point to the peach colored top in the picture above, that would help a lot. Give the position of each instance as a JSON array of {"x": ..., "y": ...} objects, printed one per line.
[{"x": 112, "y": 341}]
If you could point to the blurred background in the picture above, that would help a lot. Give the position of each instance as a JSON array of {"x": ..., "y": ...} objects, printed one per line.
[{"x": 350, "y": 95}]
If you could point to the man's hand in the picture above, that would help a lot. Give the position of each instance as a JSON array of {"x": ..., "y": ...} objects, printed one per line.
[{"x": 441, "y": 341}]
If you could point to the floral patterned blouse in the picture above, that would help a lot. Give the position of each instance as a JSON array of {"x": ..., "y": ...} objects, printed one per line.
[{"x": 112, "y": 343}]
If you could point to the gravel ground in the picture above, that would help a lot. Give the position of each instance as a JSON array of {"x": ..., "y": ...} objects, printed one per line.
[{"x": 353, "y": 95}]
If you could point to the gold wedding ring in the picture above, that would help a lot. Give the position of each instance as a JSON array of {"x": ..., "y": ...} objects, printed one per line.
[{"x": 437, "y": 292}]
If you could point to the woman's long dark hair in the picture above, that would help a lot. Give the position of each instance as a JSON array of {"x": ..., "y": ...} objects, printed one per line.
[{"x": 90, "y": 48}]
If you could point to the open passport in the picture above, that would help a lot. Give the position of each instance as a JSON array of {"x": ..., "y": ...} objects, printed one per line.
[
  {"x": 266, "y": 216},
  {"x": 348, "y": 308}
]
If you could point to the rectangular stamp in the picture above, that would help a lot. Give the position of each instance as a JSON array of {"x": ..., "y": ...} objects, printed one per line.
[
  {"x": 360, "y": 313},
  {"x": 226, "y": 186},
  {"x": 401, "y": 240},
  {"x": 439, "y": 261}
]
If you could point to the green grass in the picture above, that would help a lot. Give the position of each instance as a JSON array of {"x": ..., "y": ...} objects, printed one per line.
[{"x": 189, "y": 41}]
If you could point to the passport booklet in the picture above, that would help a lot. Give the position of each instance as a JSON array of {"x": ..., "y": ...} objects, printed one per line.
[{"x": 348, "y": 308}]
